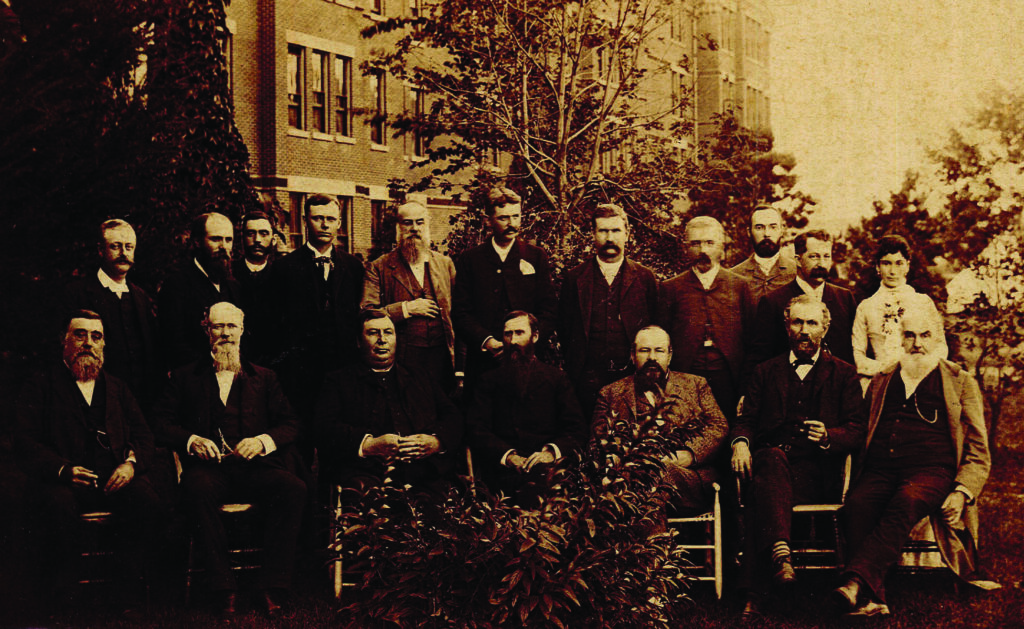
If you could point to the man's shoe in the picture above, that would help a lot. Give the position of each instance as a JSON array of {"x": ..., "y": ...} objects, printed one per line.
[
  {"x": 784, "y": 573},
  {"x": 271, "y": 603},
  {"x": 845, "y": 596},
  {"x": 227, "y": 607},
  {"x": 751, "y": 610},
  {"x": 869, "y": 609}
]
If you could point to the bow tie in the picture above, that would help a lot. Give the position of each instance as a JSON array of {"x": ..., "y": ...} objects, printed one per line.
[
  {"x": 803, "y": 361},
  {"x": 323, "y": 261}
]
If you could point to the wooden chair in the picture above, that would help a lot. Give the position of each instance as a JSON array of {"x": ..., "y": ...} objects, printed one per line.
[
  {"x": 815, "y": 553},
  {"x": 711, "y": 547},
  {"x": 96, "y": 555},
  {"x": 244, "y": 557}
]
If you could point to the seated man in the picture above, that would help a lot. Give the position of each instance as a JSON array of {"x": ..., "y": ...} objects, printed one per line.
[
  {"x": 524, "y": 414},
  {"x": 377, "y": 418},
  {"x": 926, "y": 454},
  {"x": 802, "y": 413},
  {"x": 684, "y": 400},
  {"x": 233, "y": 430},
  {"x": 85, "y": 445}
]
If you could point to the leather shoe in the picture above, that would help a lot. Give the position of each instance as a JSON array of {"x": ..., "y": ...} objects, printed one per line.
[
  {"x": 869, "y": 609},
  {"x": 271, "y": 604},
  {"x": 751, "y": 611},
  {"x": 845, "y": 596},
  {"x": 784, "y": 573},
  {"x": 227, "y": 609}
]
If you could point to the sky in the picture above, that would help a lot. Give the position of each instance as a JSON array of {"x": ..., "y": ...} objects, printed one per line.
[{"x": 861, "y": 88}]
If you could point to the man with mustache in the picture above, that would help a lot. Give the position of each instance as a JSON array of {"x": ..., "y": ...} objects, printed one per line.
[
  {"x": 605, "y": 301},
  {"x": 128, "y": 313},
  {"x": 414, "y": 286},
  {"x": 524, "y": 415},
  {"x": 926, "y": 455},
  {"x": 233, "y": 430},
  {"x": 377, "y": 420},
  {"x": 252, "y": 271},
  {"x": 803, "y": 412},
  {"x": 767, "y": 269},
  {"x": 203, "y": 280},
  {"x": 814, "y": 260},
  {"x": 685, "y": 402},
  {"x": 708, "y": 311},
  {"x": 85, "y": 446},
  {"x": 496, "y": 277}
]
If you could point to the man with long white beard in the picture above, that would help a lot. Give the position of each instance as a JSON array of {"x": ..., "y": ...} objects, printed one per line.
[
  {"x": 414, "y": 286},
  {"x": 926, "y": 455},
  {"x": 233, "y": 430},
  {"x": 524, "y": 415},
  {"x": 85, "y": 446}
]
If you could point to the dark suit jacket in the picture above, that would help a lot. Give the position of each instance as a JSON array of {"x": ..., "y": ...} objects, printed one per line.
[
  {"x": 389, "y": 281},
  {"x": 772, "y": 337},
  {"x": 145, "y": 376},
  {"x": 694, "y": 410},
  {"x": 257, "y": 298},
  {"x": 299, "y": 312},
  {"x": 344, "y": 415},
  {"x": 836, "y": 392},
  {"x": 477, "y": 306},
  {"x": 731, "y": 308},
  {"x": 187, "y": 405},
  {"x": 781, "y": 273},
  {"x": 52, "y": 426},
  {"x": 182, "y": 302},
  {"x": 639, "y": 305},
  {"x": 501, "y": 418}
]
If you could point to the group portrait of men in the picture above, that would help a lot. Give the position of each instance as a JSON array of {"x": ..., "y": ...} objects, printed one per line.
[{"x": 270, "y": 377}]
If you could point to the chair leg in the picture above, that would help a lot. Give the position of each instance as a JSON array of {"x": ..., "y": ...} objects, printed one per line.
[
  {"x": 718, "y": 547},
  {"x": 188, "y": 570}
]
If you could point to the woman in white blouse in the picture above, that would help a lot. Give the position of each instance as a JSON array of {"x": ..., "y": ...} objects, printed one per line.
[{"x": 876, "y": 326}]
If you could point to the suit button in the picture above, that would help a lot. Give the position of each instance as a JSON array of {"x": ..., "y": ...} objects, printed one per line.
[{"x": 499, "y": 271}]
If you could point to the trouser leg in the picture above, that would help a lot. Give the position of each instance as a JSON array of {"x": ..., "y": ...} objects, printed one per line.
[
  {"x": 204, "y": 489},
  {"x": 281, "y": 497}
]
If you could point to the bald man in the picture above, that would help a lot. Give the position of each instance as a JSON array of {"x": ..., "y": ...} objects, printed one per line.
[
  {"x": 233, "y": 430},
  {"x": 202, "y": 281}
]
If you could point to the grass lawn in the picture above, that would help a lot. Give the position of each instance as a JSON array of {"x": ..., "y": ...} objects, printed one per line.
[{"x": 916, "y": 601}]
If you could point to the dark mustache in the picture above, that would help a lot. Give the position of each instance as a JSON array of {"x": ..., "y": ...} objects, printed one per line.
[
  {"x": 819, "y": 272},
  {"x": 609, "y": 246},
  {"x": 702, "y": 259},
  {"x": 122, "y": 260},
  {"x": 510, "y": 230}
]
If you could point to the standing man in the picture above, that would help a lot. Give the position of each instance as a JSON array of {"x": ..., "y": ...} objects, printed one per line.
[
  {"x": 85, "y": 447},
  {"x": 605, "y": 301},
  {"x": 252, "y": 271},
  {"x": 766, "y": 269},
  {"x": 876, "y": 325},
  {"x": 802, "y": 413},
  {"x": 130, "y": 334},
  {"x": 686, "y": 403},
  {"x": 708, "y": 311},
  {"x": 926, "y": 455},
  {"x": 316, "y": 291},
  {"x": 232, "y": 427},
  {"x": 375, "y": 419},
  {"x": 203, "y": 281},
  {"x": 497, "y": 277},
  {"x": 414, "y": 286},
  {"x": 524, "y": 415},
  {"x": 814, "y": 259}
]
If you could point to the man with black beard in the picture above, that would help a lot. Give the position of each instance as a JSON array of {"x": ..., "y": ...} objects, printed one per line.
[
  {"x": 233, "y": 430},
  {"x": 524, "y": 415},
  {"x": 605, "y": 301},
  {"x": 708, "y": 313},
  {"x": 766, "y": 269},
  {"x": 803, "y": 412},
  {"x": 203, "y": 281},
  {"x": 252, "y": 271},
  {"x": 814, "y": 260},
  {"x": 684, "y": 401},
  {"x": 129, "y": 316},
  {"x": 85, "y": 446},
  {"x": 414, "y": 286},
  {"x": 926, "y": 454}
]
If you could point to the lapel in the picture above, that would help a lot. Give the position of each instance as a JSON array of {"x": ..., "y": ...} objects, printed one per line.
[
  {"x": 631, "y": 396},
  {"x": 67, "y": 402},
  {"x": 628, "y": 276},
  {"x": 879, "y": 388},
  {"x": 952, "y": 388},
  {"x": 822, "y": 372},
  {"x": 403, "y": 274},
  {"x": 584, "y": 291}
]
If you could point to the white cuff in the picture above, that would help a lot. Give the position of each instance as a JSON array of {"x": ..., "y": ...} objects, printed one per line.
[
  {"x": 483, "y": 346},
  {"x": 405, "y": 310},
  {"x": 188, "y": 444},
  {"x": 504, "y": 457},
  {"x": 361, "y": 443},
  {"x": 554, "y": 450},
  {"x": 269, "y": 447}
]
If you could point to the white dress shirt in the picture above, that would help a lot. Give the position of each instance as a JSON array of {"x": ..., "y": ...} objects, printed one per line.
[
  {"x": 707, "y": 279},
  {"x": 818, "y": 293},
  {"x": 118, "y": 288},
  {"x": 610, "y": 269}
]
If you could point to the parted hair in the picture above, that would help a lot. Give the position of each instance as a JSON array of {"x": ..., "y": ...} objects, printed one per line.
[
  {"x": 258, "y": 215},
  {"x": 498, "y": 197},
  {"x": 800, "y": 242},
  {"x": 892, "y": 243},
  {"x": 318, "y": 200},
  {"x": 608, "y": 210},
  {"x": 113, "y": 223},
  {"x": 80, "y": 314},
  {"x": 515, "y": 314}
]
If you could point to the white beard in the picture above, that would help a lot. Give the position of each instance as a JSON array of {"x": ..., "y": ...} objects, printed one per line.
[
  {"x": 917, "y": 366},
  {"x": 227, "y": 357}
]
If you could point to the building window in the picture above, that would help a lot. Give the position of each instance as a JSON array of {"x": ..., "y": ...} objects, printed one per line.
[
  {"x": 377, "y": 6},
  {"x": 415, "y": 8},
  {"x": 227, "y": 55},
  {"x": 419, "y": 110},
  {"x": 318, "y": 90},
  {"x": 293, "y": 230},
  {"x": 344, "y": 236},
  {"x": 378, "y": 90},
  {"x": 296, "y": 87},
  {"x": 343, "y": 96},
  {"x": 380, "y": 236}
]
